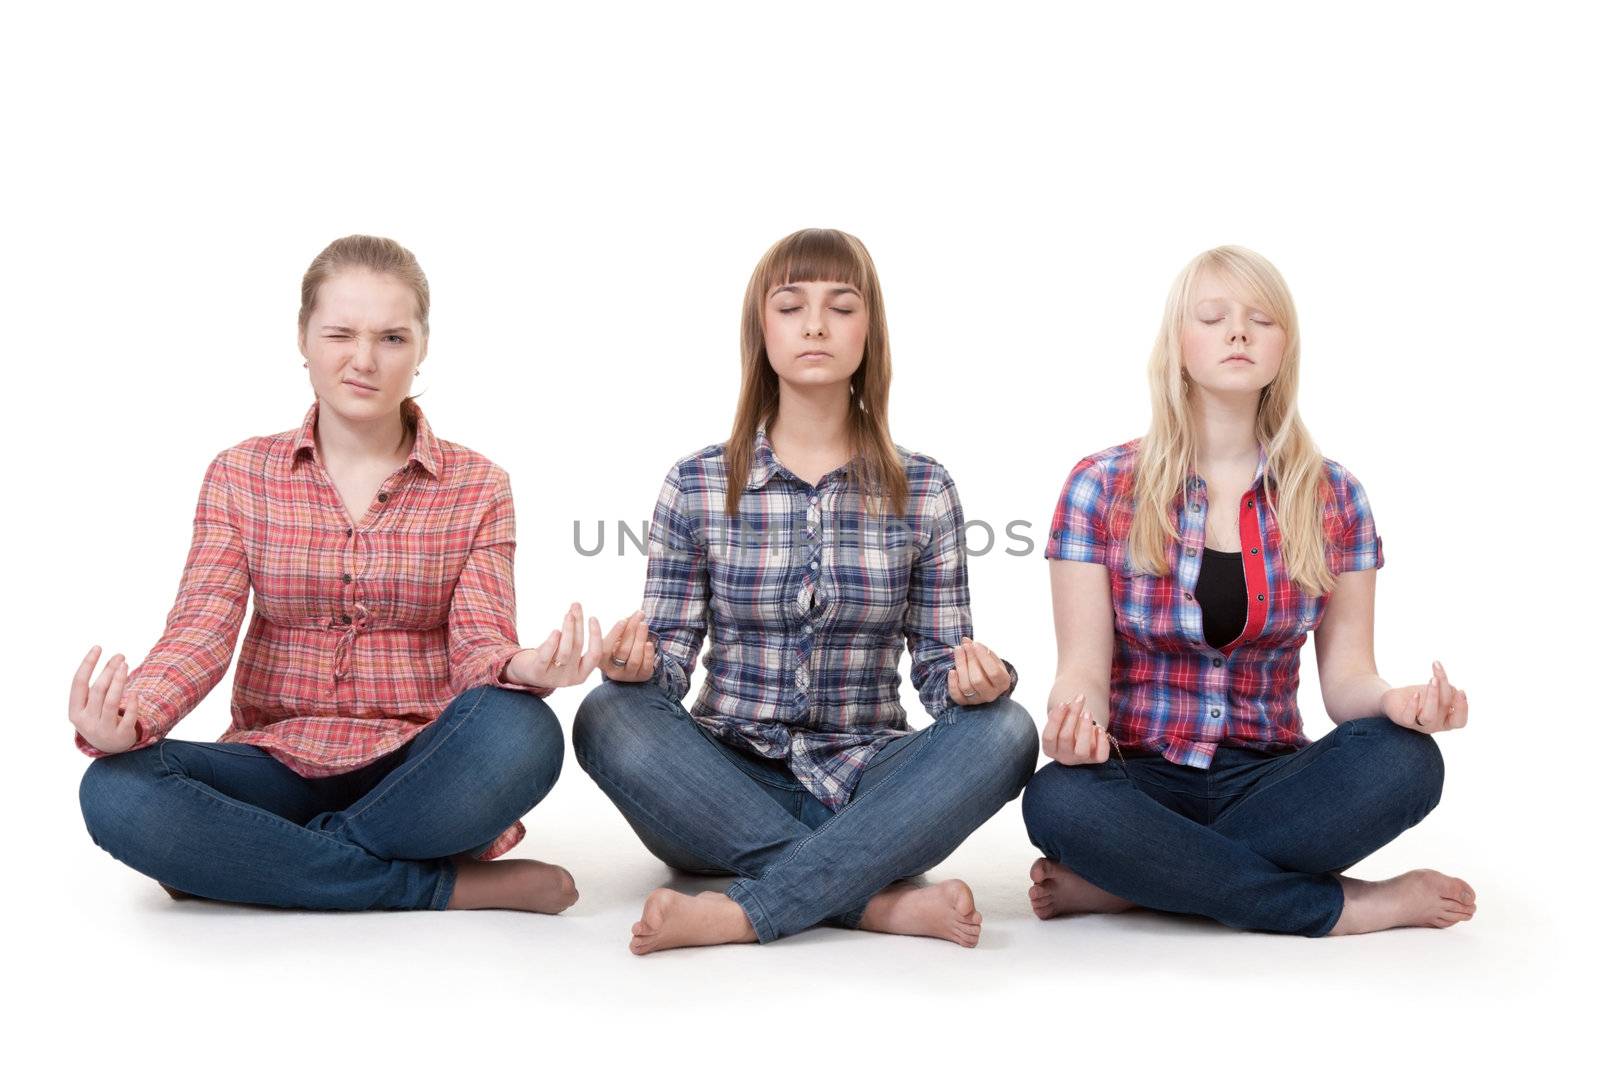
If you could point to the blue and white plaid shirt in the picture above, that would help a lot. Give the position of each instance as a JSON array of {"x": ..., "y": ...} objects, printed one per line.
[{"x": 809, "y": 602}]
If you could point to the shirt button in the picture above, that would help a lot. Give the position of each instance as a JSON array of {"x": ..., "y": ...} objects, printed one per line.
[
  {"x": 345, "y": 619},
  {"x": 1261, "y": 596},
  {"x": 1216, "y": 713},
  {"x": 1249, "y": 503},
  {"x": 1254, "y": 551},
  {"x": 1194, "y": 507},
  {"x": 1188, "y": 596},
  {"x": 1188, "y": 552},
  {"x": 1216, "y": 662},
  {"x": 349, "y": 531},
  {"x": 383, "y": 498},
  {"x": 346, "y": 579},
  {"x": 813, "y": 564},
  {"x": 808, "y": 627}
]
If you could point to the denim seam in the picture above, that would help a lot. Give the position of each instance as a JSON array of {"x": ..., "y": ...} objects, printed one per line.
[
  {"x": 739, "y": 893},
  {"x": 447, "y": 887}
]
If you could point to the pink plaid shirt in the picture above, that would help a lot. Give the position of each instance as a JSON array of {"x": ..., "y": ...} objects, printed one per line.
[{"x": 363, "y": 631}]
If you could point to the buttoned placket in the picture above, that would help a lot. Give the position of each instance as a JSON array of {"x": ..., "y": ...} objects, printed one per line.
[
  {"x": 810, "y": 501},
  {"x": 354, "y": 616},
  {"x": 1215, "y": 677}
]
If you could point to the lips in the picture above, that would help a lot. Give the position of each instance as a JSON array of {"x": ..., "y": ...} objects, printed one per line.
[
  {"x": 1239, "y": 357},
  {"x": 361, "y": 386}
]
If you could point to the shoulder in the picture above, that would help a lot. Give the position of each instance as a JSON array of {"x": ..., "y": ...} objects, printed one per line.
[
  {"x": 698, "y": 468},
  {"x": 1342, "y": 487},
  {"x": 460, "y": 465},
  {"x": 1110, "y": 471},
  {"x": 924, "y": 474}
]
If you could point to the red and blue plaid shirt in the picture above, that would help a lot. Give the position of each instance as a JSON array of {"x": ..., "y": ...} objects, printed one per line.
[
  {"x": 809, "y": 604},
  {"x": 1171, "y": 692}
]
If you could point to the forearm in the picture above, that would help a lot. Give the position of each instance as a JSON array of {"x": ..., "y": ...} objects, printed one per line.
[
  {"x": 1358, "y": 695},
  {"x": 1095, "y": 685}
]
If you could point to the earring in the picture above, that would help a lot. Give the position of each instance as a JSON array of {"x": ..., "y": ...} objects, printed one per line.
[
  {"x": 307, "y": 363},
  {"x": 416, "y": 372}
]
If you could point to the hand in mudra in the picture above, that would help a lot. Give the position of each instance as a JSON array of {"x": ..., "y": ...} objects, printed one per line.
[
  {"x": 561, "y": 660},
  {"x": 979, "y": 676},
  {"x": 630, "y": 653},
  {"x": 93, "y": 709},
  {"x": 1428, "y": 708}
]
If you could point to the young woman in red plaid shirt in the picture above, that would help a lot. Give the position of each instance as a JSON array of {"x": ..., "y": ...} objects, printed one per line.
[
  {"x": 387, "y": 728},
  {"x": 1182, "y": 780}
]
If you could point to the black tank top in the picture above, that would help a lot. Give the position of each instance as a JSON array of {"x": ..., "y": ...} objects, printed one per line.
[{"x": 1221, "y": 594}]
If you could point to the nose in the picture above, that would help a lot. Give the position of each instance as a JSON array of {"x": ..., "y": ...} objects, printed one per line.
[
  {"x": 363, "y": 358},
  {"x": 1239, "y": 332},
  {"x": 814, "y": 328}
]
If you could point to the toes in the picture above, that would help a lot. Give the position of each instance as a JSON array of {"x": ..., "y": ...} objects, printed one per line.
[{"x": 1040, "y": 870}]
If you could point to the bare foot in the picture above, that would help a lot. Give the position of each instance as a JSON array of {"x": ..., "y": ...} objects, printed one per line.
[
  {"x": 945, "y": 910},
  {"x": 1416, "y": 898},
  {"x": 1058, "y": 891},
  {"x": 518, "y": 885},
  {"x": 676, "y": 920}
]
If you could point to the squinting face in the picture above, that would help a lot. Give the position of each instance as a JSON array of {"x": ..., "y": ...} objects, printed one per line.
[
  {"x": 1229, "y": 345},
  {"x": 816, "y": 332},
  {"x": 363, "y": 343}
]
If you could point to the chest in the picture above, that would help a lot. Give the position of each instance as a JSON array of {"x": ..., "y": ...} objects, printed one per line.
[
  {"x": 803, "y": 556},
  {"x": 1163, "y": 612},
  {"x": 394, "y": 567}
]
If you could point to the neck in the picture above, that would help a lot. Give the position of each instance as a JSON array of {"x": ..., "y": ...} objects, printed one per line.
[
  {"x": 1225, "y": 427},
  {"x": 340, "y": 440},
  {"x": 811, "y": 420}
]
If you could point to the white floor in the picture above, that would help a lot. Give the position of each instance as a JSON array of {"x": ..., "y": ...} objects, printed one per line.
[{"x": 108, "y": 956}]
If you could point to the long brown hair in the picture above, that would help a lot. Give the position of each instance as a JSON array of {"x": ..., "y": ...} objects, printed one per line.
[{"x": 819, "y": 256}]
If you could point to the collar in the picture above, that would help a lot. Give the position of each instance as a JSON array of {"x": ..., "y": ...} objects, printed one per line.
[
  {"x": 424, "y": 449},
  {"x": 763, "y": 464}
]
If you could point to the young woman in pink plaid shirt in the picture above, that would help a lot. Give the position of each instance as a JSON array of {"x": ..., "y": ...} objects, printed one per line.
[
  {"x": 388, "y": 731},
  {"x": 1187, "y": 569}
]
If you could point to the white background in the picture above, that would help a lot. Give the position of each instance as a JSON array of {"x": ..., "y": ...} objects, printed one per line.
[{"x": 588, "y": 187}]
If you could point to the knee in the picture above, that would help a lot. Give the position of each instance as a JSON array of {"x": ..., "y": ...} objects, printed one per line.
[
  {"x": 520, "y": 735},
  {"x": 607, "y": 731},
  {"x": 1012, "y": 740},
  {"x": 115, "y": 797},
  {"x": 1407, "y": 763},
  {"x": 1056, "y": 809}
]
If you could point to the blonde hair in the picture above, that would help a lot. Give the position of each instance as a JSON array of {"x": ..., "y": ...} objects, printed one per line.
[
  {"x": 1296, "y": 482},
  {"x": 819, "y": 256},
  {"x": 380, "y": 255}
]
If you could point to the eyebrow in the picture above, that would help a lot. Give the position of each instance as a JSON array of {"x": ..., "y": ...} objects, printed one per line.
[
  {"x": 844, "y": 290},
  {"x": 352, "y": 329}
]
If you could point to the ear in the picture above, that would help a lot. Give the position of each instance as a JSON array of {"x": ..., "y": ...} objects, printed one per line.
[{"x": 422, "y": 355}]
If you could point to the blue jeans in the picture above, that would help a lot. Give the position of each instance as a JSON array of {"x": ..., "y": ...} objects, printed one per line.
[
  {"x": 229, "y": 822},
  {"x": 708, "y": 808},
  {"x": 1255, "y": 840}
]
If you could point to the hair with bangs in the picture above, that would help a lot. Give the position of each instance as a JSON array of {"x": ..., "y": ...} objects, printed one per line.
[
  {"x": 875, "y": 469},
  {"x": 1296, "y": 483}
]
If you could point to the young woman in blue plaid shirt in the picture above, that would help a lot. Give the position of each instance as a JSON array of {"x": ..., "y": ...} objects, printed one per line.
[{"x": 813, "y": 550}]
